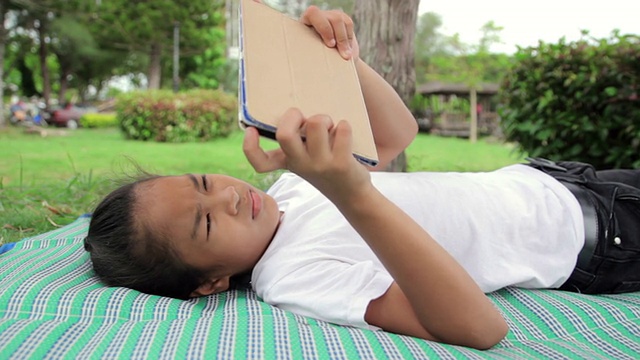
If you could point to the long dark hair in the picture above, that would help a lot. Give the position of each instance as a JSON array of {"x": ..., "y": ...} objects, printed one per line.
[{"x": 127, "y": 253}]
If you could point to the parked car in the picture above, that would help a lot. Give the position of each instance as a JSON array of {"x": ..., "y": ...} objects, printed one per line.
[{"x": 68, "y": 116}]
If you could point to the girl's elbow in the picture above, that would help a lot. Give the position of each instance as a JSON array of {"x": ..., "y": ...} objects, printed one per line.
[
  {"x": 414, "y": 127},
  {"x": 489, "y": 335},
  {"x": 480, "y": 335},
  {"x": 411, "y": 129}
]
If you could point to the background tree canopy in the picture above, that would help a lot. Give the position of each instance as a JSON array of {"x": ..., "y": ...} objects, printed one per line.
[
  {"x": 147, "y": 27},
  {"x": 441, "y": 57},
  {"x": 56, "y": 45}
]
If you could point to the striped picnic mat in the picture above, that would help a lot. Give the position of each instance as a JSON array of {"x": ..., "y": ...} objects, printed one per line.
[{"x": 51, "y": 306}]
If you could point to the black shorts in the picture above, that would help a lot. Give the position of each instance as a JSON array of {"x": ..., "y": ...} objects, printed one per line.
[{"x": 610, "y": 263}]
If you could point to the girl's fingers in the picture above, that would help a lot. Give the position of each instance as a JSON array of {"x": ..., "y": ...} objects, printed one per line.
[
  {"x": 342, "y": 142},
  {"x": 318, "y": 141},
  {"x": 315, "y": 18},
  {"x": 348, "y": 22},
  {"x": 260, "y": 160},
  {"x": 334, "y": 27},
  {"x": 343, "y": 32},
  {"x": 289, "y": 135}
]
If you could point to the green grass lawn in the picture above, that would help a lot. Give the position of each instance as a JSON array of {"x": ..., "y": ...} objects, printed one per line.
[
  {"x": 46, "y": 182},
  {"x": 435, "y": 153}
]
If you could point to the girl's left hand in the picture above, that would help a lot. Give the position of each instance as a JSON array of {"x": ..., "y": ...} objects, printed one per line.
[{"x": 336, "y": 30}]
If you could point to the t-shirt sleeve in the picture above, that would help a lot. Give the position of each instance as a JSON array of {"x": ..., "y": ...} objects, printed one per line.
[{"x": 332, "y": 291}]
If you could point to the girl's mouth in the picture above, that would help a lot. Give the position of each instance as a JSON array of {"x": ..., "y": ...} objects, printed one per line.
[{"x": 256, "y": 204}]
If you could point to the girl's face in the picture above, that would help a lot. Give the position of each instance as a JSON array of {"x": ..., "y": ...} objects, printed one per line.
[{"x": 217, "y": 223}]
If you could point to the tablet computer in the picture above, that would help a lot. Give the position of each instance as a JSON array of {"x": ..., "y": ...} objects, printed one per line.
[{"x": 285, "y": 64}]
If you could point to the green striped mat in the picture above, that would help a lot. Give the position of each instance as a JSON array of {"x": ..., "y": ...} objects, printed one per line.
[{"x": 51, "y": 306}]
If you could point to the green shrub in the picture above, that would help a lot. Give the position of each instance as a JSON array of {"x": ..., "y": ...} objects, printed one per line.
[
  {"x": 576, "y": 101},
  {"x": 98, "y": 120},
  {"x": 433, "y": 104},
  {"x": 197, "y": 115}
]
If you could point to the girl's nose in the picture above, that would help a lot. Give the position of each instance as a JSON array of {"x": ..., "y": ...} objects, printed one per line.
[{"x": 229, "y": 200}]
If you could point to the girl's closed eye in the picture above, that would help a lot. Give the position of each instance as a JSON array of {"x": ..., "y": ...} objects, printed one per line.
[
  {"x": 208, "y": 225},
  {"x": 204, "y": 182},
  {"x": 208, "y": 217}
]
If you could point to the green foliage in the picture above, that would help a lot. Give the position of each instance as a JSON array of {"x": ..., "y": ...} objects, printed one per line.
[
  {"x": 97, "y": 120},
  {"x": 197, "y": 115},
  {"x": 576, "y": 101},
  {"x": 210, "y": 69},
  {"x": 441, "y": 57},
  {"x": 146, "y": 28},
  {"x": 90, "y": 42},
  {"x": 75, "y": 57},
  {"x": 139, "y": 24},
  {"x": 433, "y": 105},
  {"x": 471, "y": 69},
  {"x": 429, "y": 41},
  {"x": 418, "y": 106}
]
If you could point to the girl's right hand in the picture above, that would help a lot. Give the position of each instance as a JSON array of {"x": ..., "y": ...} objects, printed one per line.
[
  {"x": 325, "y": 156},
  {"x": 315, "y": 149}
]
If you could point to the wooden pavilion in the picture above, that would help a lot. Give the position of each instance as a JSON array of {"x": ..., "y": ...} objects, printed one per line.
[{"x": 483, "y": 115}]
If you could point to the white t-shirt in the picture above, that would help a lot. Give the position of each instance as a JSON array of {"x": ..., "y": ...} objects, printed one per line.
[{"x": 512, "y": 227}]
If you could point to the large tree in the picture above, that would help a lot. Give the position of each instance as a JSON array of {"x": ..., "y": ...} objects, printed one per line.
[
  {"x": 36, "y": 18},
  {"x": 386, "y": 31},
  {"x": 430, "y": 42},
  {"x": 3, "y": 37},
  {"x": 5, "y": 7},
  {"x": 82, "y": 60},
  {"x": 35, "y": 31}
]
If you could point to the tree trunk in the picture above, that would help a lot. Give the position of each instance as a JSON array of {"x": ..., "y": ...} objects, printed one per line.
[
  {"x": 155, "y": 66},
  {"x": 64, "y": 85},
  {"x": 473, "y": 100},
  {"x": 44, "y": 68},
  {"x": 3, "y": 47},
  {"x": 28, "y": 84},
  {"x": 386, "y": 31}
]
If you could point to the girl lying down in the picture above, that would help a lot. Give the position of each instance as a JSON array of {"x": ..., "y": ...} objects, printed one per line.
[{"x": 410, "y": 253}]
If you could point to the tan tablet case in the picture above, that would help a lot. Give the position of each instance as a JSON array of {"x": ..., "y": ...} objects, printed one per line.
[{"x": 285, "y": 64}]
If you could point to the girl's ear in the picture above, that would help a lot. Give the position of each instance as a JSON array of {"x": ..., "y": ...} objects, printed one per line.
[{"x": 211, "y": 286}]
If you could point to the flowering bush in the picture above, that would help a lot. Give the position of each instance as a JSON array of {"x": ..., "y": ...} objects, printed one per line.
[{"x": 197, "y": 115}]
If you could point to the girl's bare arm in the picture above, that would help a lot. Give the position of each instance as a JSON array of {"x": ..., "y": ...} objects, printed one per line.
[{"x": 393, "y": 125}]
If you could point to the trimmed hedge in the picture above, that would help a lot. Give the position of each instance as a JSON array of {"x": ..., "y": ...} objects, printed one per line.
[
  {"x": 576, "y": 101},
  {"x": 163, "y": 116},
  {"x": 98, "y": 120}
]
